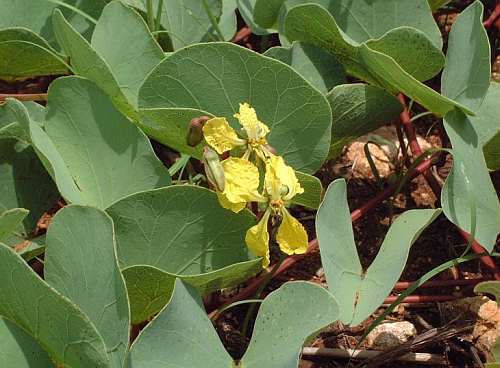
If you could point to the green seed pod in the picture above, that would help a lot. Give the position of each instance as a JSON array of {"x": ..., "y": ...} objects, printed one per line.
[
  {"x": 213, "y": 169},
  {"x": 195, "y": 131}
]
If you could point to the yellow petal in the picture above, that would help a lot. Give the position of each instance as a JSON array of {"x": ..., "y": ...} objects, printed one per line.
[
  {"x": 248, "y": 119},
  {"x": 242, "y": 181},
  {"x": 291, "y": 236},
  {"x": 224, "y": 202},
  {"x": 257, "y": 239},
  {"x": 280, "y": 180},
  {"x": 220, "y": 136}
]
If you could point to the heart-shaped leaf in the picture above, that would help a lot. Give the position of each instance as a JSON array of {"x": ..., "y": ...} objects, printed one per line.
[
  {"x": 361, "y": 292},
  {"x": 469, "y": 198},
  {"x": 121, "y": 54},
  {"x": 314, "y": 24},
  {"x": 358, "y": 109},
  {"x": 216, "y": 77},
  {"x": 34, "y": 56},
  {"x": 94, "y": 153},
  {"x": 317, "y": 66},
  {"x": 81, "y": 263},
  {"x": 286, "y": 319},
  {"x": 179, "y": 231},
  {"x": 283, "y": 323},
  {"x": 63, "y": 331},
  {"x": 20, "y": 350},
  {"x": 228, "y": 19}
]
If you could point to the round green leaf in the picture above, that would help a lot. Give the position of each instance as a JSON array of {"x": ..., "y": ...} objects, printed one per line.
[{"x": 216, "y": 77}]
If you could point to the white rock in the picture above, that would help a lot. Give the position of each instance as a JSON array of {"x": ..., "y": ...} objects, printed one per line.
[{"x": 390, "y": 334}]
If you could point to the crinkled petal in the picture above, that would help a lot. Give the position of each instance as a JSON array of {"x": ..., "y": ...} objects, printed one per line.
[
  {"x": 291, "y": 236},
  {"x": 248, "y": 119},
  {"x": 241, "y": 181},
  {"x": 280, "y": 180},
  {"x": 228, "y": 205},
  {"x": 257, "y": 239},
  {"x": 220, "y": 136}
]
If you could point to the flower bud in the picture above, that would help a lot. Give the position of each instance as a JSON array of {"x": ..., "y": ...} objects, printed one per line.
[
  {"x": 195, "y": 131},
  {"x": 213, "y": 169}
]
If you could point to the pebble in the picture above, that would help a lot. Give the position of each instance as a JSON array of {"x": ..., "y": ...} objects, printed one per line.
[{"x": 390, "y": 334}]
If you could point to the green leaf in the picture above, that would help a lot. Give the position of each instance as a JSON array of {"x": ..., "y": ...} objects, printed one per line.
[
  {"x": 182, "y": 231},
  {"x": 313, "y": 191},
  {"x": 186, "y": 21},
  {"x": 94, "y": 153},
  {"x": 266, "y": 12},
  {"x": 361, "y": 292},
  {"x": 436, "y": 4},
  {"x": 247, "y": 9},
  {"x": 9, "y": 125},
  {"x": 314, "y": 24},
  {"x": 120, "y": 56},
  {"x": 122, "y": 39},
  {"x": 52, "y": 320},
  {"x": 287, "y": 317},
  {"x": 25, "y": 184},
  {"x": 487, "y": 128},
  {"x": 358, "y": 109},
  {"x": 10, "y": 221},
  {"x": 228, "y": 20},
  {"x": 489, "y": 287},
  {"x": 24, "y": 54},
  {"x": 216, "y": 77},
  {"x": 362, "y": 21},
  {"x": 170, "y": 127},
  {"x": 81, "y": 263},
  {"x": 150, "y": 288},
  {"x": 20, "y": 350},
  {"x": 180, "y": 336},
  {"x": 468, "y": 196},
  {"x": 467, "y": 73},
  {"x": 35, "y": 15},
  {"x": 317, "y": 66}
]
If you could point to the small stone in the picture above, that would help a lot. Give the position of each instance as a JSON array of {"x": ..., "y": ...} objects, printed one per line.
[
  {"x": 391, "y": 334},
  {"x": 320, "y": 272}
]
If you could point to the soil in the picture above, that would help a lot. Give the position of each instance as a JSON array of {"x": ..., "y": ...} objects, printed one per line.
[{"x": 439, "y": 243}]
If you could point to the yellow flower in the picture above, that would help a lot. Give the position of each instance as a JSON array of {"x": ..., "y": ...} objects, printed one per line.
[
  {"x": 241, "y": 184},
  {"x": 281, "y": 185},
  {"x": 221, "y": 137}
]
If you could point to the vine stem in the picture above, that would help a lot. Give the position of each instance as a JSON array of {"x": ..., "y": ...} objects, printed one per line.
[
  {"x": 436, "y": 187},
  {"x": 493, "y": 18}
]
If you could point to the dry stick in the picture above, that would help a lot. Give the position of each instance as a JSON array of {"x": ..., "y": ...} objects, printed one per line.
[
  {"x": 421, "y": 358},
  {"x": 436, "y": 187},
  {"x": 25, "y": 97}
]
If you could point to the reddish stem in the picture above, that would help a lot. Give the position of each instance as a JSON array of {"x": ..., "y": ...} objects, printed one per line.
[
  {"x": 413, "y": 299},
  {"x": 242, "y": 34},
  {"x": 495, "y": 14},
  {"x": 402, "y": 285},
  {"x": 436, "y": 187},
  {"x": 415, "y": 146},
  {"x": 25, "y": 97}
]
